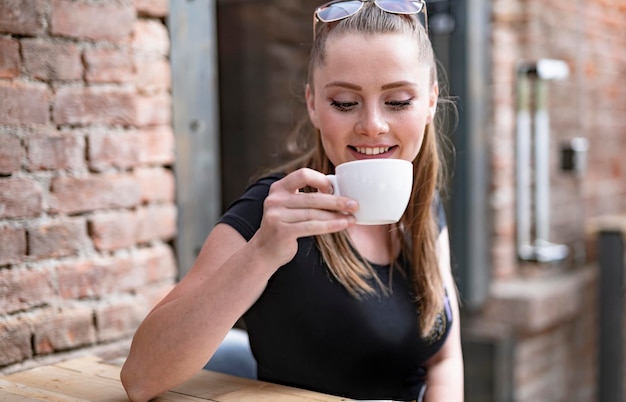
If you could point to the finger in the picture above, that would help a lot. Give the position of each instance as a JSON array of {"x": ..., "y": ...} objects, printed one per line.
[
  {"x": 310, "y": 214},
  {"x": 306, "y": 177},
  {"x": 281, "y": 197},
  {"x": 281, "y": 223},
  {"x": 319, "y": 227},
  {"x": 322, "y": 201}
]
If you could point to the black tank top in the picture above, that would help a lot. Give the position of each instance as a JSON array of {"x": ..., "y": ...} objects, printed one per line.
[{"x": 307, "y": 331}]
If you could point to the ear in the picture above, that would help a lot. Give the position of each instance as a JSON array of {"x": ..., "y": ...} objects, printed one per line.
[
  {"x": 432, "y": 103},
  {"x": 310, "y": 105}
]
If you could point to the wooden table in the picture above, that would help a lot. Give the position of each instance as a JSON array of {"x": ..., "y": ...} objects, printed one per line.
[{"x": 91, "y": 379}]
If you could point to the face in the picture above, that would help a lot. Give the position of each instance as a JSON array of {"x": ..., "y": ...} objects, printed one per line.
[{"x": 372, "y": 98}]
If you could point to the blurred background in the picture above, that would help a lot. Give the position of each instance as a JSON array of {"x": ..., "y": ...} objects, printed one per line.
[{"x": 127, "y": 127}]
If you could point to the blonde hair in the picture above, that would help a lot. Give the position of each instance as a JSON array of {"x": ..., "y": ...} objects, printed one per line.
[{"x": 417, "y": 228}]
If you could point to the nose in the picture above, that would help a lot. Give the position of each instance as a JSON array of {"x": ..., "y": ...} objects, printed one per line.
[{"x": 372, "y": 121}]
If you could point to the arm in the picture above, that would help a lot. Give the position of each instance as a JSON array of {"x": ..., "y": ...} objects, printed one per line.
[
  {"x": 444, "y": 378},
  {"x": 183, "y": 331}
]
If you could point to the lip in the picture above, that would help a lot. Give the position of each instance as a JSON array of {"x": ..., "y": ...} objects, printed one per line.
[{"x": 358, "y": 155}]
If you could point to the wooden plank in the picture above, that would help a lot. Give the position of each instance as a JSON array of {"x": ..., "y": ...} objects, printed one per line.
[
  {"x": 224, "y": 387},
  {"x": 92, "y": 366},
  {"x": 278, "y": 393},
  {"x": 78, "y": 381},
  {"x": 71, "y": 383},
  {"x": 291, "y": 392},
  {"x": 90, "y": 379},
  {"x": 9, "y": 397},
  {"x": 10, "y": 391}
]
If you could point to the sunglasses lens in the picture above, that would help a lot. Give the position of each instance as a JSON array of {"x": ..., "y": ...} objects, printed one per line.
[
  {"x": 337, "y": 11},
  {"x": 400, "y": 7}
]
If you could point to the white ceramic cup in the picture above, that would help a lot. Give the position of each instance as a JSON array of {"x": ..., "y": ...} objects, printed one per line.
[{"x": 382, "y": 187}]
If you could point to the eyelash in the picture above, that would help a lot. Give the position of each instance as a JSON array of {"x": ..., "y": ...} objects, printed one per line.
[
  {"x": 342, "y": 106},
  {"x": 400, "y": 105},
  {"x": 347, "y": 106}
]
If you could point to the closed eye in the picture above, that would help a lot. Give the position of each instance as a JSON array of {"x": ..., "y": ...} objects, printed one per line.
[
  {"x": 343, "y": 106},
  {"x": 400, "y": 105}
]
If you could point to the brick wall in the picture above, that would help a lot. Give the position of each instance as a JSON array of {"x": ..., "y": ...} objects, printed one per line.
[
  {"x": 589, "y": 103},
  {"x": 557, "y": 362},
  {"x": 86, "y": 187}
]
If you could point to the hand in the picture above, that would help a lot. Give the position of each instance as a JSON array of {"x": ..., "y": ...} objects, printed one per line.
[{"x": 290, "y": 214}]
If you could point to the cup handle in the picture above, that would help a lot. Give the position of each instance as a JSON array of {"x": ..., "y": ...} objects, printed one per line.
[{"x": 333, "y": 181}]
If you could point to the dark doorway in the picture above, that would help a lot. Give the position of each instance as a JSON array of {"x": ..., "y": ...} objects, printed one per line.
[{"x": 262, "y": 49}]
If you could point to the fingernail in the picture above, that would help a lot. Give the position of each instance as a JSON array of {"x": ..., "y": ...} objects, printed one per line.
[{"x": 352, "y": 205}]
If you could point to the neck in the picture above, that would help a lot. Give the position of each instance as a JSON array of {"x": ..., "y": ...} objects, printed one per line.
[{"x": 378, "y": 244}]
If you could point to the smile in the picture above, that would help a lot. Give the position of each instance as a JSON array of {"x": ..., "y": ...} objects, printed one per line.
[{"x": 372, "y": 150}]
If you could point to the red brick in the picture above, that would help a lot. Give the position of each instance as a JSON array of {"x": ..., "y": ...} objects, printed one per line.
[
  {"x": 59, "y": 238},
  {"x": 86, "y": 106},
  {"x": 51, "y": 60},
  {"x": 11, "y": 154},
  {"x": 113, "y": 230},
  {"x": 590, "y": 107},
  {"x": 114, "y": 65},
  {"x": 152, "y": 8},
  {"x": 56, "y": 152},
  {"x": 12, "y": 245},
  {"x": 157, "y": 184},
  {"x": 107, "y": 21},
  {"x": 58, "y": 330},
  {"x": 96, "y": 192},
  {"x": 157, "y": 145},
  {"x": 87, "y": 278},
  {"x": 23, "y": 289},
  {"x": 96, "y": 278},
  {"x": 156, "y": 222},
  {"x": 154, "y": 110},
  {"x": 10, "y": 62},
  {"x": 24, "y": 104},
  {"x": 155, "y": 264},
  {"x": 119, "y": 319},
  {"x": 23, "y": 17},
  {"x": 151, "y": 38},
  {"x": 153, "y": 74},
  {"x": 113, "y": 149},
  {"x": 15, "y": 335},
  {"x": 20, "y": 198}
]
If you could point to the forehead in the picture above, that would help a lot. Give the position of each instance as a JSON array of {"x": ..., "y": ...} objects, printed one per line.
[{"x": 373, "y": 57}]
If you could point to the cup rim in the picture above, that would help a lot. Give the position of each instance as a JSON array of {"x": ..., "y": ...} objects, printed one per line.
[{"x": 367, "y": 161}]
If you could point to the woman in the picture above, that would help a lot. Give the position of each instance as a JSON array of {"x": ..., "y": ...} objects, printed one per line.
[{"x": 365, "y": 312}]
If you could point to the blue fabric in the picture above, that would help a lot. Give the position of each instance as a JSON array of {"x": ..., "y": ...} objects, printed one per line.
[{"x": 234, "y": 356}]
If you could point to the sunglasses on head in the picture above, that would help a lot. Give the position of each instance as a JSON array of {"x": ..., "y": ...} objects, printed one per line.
[{"x": 339, "y": 9}]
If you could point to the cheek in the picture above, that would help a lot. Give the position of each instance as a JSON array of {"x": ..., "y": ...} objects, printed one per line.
[
  {"x": 414, "y": 139},
  {"x": 334, "y": 127},
  {"x": 416, "y": 148},
  {"x": 330, "y": 140},
  {"x": 329, "y": 119},
  {"x": 333, "y": 142}
]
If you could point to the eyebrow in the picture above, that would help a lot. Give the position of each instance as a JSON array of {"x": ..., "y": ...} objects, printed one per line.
[
  {"x": 398, "y": 84},
  {"x": 343, "y": 84}
]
